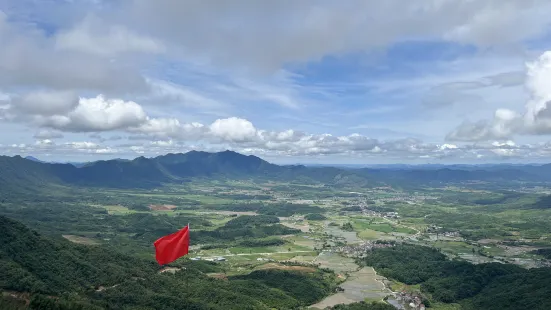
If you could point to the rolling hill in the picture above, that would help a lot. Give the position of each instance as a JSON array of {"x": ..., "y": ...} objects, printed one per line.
[{"x": 20, "y": 174}]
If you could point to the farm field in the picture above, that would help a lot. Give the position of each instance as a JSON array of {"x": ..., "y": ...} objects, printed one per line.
[{"x": 360, "y": 285}]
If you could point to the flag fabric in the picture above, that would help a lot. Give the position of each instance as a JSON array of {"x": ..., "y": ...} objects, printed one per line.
[{"x": 170, "y": 248}]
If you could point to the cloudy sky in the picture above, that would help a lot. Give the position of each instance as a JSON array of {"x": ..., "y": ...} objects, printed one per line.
[{"x": 355, "y": 81}]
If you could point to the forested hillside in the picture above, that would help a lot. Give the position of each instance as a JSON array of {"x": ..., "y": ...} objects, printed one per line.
[
  {"x": 490, "y": 286},
  {"x": 56, "y": 274}
]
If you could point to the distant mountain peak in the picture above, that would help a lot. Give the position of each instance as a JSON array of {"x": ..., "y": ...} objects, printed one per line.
[
  {"x": 34, "y": 159},
  {"x": 190, "y": 153}
]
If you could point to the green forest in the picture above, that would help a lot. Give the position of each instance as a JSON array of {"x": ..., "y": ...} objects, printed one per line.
[
  {"x": 489, "y": 286},
  {"x": 61, "y": 275}
]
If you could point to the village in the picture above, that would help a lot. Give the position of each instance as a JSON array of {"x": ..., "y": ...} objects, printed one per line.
[{"x": 360, "y": 250}]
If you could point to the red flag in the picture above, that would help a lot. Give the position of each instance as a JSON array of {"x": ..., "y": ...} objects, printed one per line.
[{"x": 170, "y": 248}]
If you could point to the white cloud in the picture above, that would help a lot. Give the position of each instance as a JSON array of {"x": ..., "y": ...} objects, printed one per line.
[
  {"x": 169, "y": 134},
  {"x": 91, "y": 114},
  {"x": 448, "y": 146},
  {"x": 160, "y": 126},
  {"x": 507, "y": 148},
  {"x": 265, "y": 144},
  {"x": 170, "y": 128},
  {"x": 106, "y": 151},
  {"x": 315, "y": 146},
  {"x": 290, "y": 32},
  {"x": 45, "y": 142},
  {"x": 82, "y": 145},
  {"x": 535, "y": 120},
  {"x": 233, "y": 129},
  {"x": 45, "y": 103},
  {"x": 85, "y": 147},
  {"x": 162, "y": 143},
  {"x": 100, "y": 114},
  {"x": 138, "y": 149},
  {"x": 61, "y": 111},
  {"x": 93, "y": 36},
  {"x": 377, "y": 149},
  {"x": 28, "y": 59}
]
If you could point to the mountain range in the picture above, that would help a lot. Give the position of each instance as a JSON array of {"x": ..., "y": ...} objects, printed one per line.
[{"x": 26, "y": 173}]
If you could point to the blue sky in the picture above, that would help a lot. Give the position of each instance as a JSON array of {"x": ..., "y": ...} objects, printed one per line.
[{"x": 310, "y": 81}]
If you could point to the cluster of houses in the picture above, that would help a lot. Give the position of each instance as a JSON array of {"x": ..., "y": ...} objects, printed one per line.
[
  {"x": 391, "y": 215},
  {"x": 439, "y": 231},
  {"x": 452, "y": 234},
  {"x": 359, "y": 250},
  {"x": 210, "y": 259},
  {"x": 410, "y": 299},
  {"x": 433, "y": 228}
]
